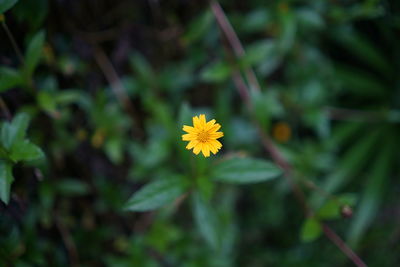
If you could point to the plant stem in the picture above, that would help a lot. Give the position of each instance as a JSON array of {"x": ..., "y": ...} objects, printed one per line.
[
  {"x": 268, "y": 144},
  {"x": 13, "y": 42}
]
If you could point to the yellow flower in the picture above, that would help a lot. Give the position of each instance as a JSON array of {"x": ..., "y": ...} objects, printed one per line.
[{"x": 203, "y": 136}]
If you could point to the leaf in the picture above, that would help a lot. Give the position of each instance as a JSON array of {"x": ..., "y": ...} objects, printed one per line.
[
  {"x": 245, "y": 170},
  {"x": 199, "y": 27},
  {"x": 310, "y": 230},
  {"x": 46, "y": 101},
  {"x": 9, "y": 78},
  {"x": 6, "y": 180},
  {"x": 156, "y": 194},
  {"x": 26, "y": 151},
  {"x": 6, "y": 5},
  {"x": 206, "y": 221},
  {"x": 15, "y": 131},
  {"x": 373, "y": 193},
  {"x": 330, "y": 210},
  {"x": 259, "y": 52},
  {"x": 72, "y": 187},
  {"x": 216, "y": 72},
  {"x": 34, "y": 53},
  {"x": 351, "y": 162}
]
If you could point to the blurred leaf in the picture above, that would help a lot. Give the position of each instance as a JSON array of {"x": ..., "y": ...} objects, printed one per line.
[
  {"x": 72, "y": 187},
  {"x": 156, "y": 194},
  {"x": 114, "y": 148},
  {"x": 6, "y": 5},
  {"x": 259, "y": 52},
  {"x": 46, "y": 101},
  {"x": 244, "y": 170},
  {"x": 9, "y": 78},
  {"x": 350, "y": 164},
  {"x": 256, "y": 21},
  {"x": 15, "y": 131},
  {"x": 359, "y": 82},
  {"x": 362, "y": 48},
  {"x": 206, "y": 221},
  {"x": 34, "y": 53},
  {"x": 373, "y": 193},
  {"x": 199, "y": 27},
  {"x": 216, "y": 72},
  {"x": 143, "y": 69},
  {"x": 288, "y": 34},
  {"x": 6, "y": 179},
  {"x": 330, "y": 210},
  {"x": 31, "y": 12},
  {"x": 26, "y": 151},
  {"x": 310, "y": 230},
  {"x": 353, "y": 160}
]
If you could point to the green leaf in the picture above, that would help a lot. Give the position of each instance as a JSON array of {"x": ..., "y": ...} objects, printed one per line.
[
  {"x": 6, "y": 180},
  {"x": 310, "y": 230},
  {"x": 245, "y": 170},
  {"x": 373, "y": 193},
  {"x": 216, "y": 72},
  {"x": 330, "y": 210},
  {"x": 259, "y": 52},
  {"x": 206, "y": 221},
  {"x": 156, "y": 194},
  {"x": 9, "y": 78},
  {"x": 34, "y": 53},
  {"x": 72, "y": 187},
  {"x": 26, "y": 151},
  {"x": 199, "y": 27},
  {"x": 46, "y": 101},
  {"x": 6, "y": 5},
  {"x": 15, "y": 131}
]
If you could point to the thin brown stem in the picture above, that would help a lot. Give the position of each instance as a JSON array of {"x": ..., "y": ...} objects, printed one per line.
[
  {"x": 113, "y": 79},
  {"x": 13, "y": 42},
  {"x": 268, "y": 144},
  {"x": 68, "y": 242},
  {"x": 234, "y": 41},
  {"x": 329, "y": 233},
  {"x": 4, "y": 108}
]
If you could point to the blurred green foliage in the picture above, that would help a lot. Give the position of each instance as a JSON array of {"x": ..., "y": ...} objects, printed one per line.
[{"x": 93, "y": 96}]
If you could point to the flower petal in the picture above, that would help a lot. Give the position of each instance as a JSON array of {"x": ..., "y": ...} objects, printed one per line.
[
  {"x": 203, "y": 121},
  {"x": 206, "y": 150},
  {"x": 196, "y": 123},
  {"x": 216, "y": 144},
  {"x": 188, "y": 137},
  {"x": 215, "y": 127},
  {"x": 192, "y": 144},
  {"x": 189, "y": 129},
  {"x": 210, "y": 125},
  {"x": 197, "y": 148},
  {"x": 216, "y": 135}
]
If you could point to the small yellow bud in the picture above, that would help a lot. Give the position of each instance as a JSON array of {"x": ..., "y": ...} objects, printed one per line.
[{"x": 2, "y": 18}]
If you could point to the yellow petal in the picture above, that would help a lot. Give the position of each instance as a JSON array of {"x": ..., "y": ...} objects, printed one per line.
[
  {"x": 216, "y": 144},
  {"x": 197, "y": 148},
  {"x": 206, "y": 150},
  {"x": 213, "y": 148},
  {"x": 189, "y": 129},
  {"x": 216, "y": 135},
  {"x": 188, "y": 137},
  {"x": 209, "y": 125},
  {"x": 203, "y": 121},
  {"x": 215, "y": 127},
  {"x": 192, "y": 144},
  {"x": 196, "y": 122}
]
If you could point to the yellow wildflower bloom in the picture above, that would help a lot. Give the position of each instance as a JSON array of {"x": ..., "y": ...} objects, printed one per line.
[{"x": 203, "y": 136}]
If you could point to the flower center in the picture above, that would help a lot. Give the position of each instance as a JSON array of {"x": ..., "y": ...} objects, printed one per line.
[{"x": 203, "y": 136}]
